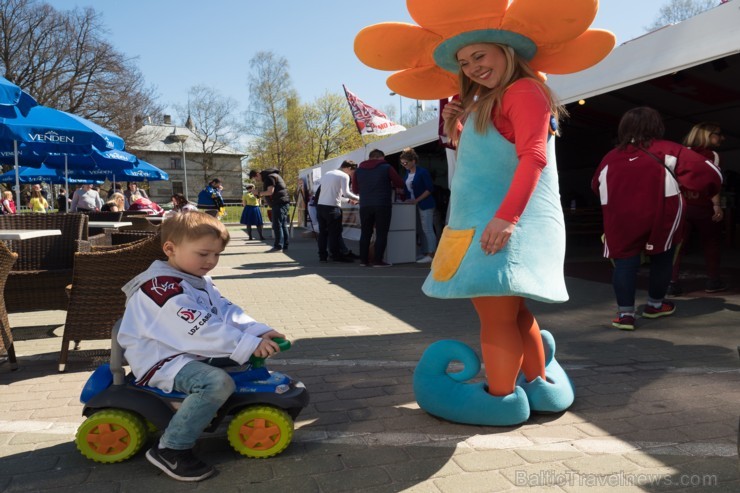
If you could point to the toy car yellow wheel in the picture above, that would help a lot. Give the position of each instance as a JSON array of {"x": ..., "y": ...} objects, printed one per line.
[
  {"x": 110, "y": 436},
  {"x": 260, "y": 431}
]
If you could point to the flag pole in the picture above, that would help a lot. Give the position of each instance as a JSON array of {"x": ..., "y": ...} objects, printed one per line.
[{"x": 351, "y": 110}]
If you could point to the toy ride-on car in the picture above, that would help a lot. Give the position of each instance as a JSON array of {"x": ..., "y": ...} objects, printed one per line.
[{"x": 120, "y": 414}]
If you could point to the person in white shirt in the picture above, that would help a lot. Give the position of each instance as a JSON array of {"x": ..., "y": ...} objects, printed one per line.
[
  {"x": 86, "y": 199},
  {"x": 334, "y": 186}
]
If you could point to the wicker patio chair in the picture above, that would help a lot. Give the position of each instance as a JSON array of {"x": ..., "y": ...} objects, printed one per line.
[
  {"x": 127, "y": 214},
  {"x": 44, "y": 266},
  {"x": 139, "y": 223},
  {"x": 102, "y": 216},
  {"x": 123, "y": 237},
  {"x": 7, "y": 259},
  {"x": 95, "y": 298}
]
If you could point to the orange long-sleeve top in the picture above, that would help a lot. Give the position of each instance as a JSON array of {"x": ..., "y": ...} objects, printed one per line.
[{"x": 524, "y": 120}]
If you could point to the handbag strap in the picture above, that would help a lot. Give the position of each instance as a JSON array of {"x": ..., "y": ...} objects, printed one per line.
[{"x": 661, "y": 162}]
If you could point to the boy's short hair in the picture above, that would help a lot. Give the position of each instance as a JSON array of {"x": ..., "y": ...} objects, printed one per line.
[
  {"x": 376, "y": 154},
  {"x": 348, "y": 164},
  {"x": 192, "y": 226}
]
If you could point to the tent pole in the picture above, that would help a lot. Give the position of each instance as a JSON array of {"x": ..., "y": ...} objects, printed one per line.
[
  {"x": 17, "y": 177},
  {"x": 66, "y": 183}
]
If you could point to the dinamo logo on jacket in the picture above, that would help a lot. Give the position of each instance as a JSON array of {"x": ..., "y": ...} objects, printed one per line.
[{"x": 190, "y": 315}]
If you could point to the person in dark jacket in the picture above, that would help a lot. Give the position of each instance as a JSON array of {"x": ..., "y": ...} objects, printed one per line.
[
  {"x": 419, "y": 189},
  {"x": 273, "y": 187},
  {"x": 210, "y": 197},
  {"x": 374, "y": 182}
]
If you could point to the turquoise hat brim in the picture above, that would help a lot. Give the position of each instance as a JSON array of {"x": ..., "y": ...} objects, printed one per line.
[{"x": 445, "y": 55}]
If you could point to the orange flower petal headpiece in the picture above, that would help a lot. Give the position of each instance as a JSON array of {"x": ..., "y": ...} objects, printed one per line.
[{"x": 553, "y": 35}]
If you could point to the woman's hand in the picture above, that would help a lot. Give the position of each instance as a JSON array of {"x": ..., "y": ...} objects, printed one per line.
[
  {"x": 454, "y": 109},
  {"x": 496, "y": 235}
]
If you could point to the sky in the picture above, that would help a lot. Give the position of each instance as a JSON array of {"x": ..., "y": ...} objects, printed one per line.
[{"x": 183, "y": 43}]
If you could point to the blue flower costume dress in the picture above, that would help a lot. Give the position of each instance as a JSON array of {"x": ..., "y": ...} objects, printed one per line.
[{"x": 531, "y": 264}]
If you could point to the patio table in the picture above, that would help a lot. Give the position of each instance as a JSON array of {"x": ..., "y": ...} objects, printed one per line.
[
  {"x": 25, "y": 234},
  {"x": 108, "y": 224}
]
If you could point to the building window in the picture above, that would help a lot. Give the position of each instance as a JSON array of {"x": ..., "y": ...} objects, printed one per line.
[
  {"x": 177, "y": 187},
  {"x": 175, "y": 163}
]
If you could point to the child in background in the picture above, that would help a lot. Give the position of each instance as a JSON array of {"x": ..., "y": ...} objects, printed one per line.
[
  {"x": 38, "y": 203},
  {"x": 251, "y": 214},
  {"x": 8, "y": 206},
  {"x": 175, "y": 320}
]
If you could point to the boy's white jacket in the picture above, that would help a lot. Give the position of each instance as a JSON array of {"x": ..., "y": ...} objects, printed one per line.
[{"x": 173, "y": 318}]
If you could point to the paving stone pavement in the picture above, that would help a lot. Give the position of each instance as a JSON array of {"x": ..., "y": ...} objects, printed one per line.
[{"x": 656, "y": 409}]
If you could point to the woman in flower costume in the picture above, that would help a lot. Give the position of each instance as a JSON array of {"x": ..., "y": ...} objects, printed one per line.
[{"x": 505, "y": 239}]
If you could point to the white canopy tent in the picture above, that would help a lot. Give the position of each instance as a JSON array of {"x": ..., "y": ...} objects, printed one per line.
[
  {"x": 712, "y": 36},
  {"x": 709, "y": 36}
]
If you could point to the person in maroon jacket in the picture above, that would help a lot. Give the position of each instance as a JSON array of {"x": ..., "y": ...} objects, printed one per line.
[
  {"x": 640, "y": 185},
  {"x": 374, "y": 181},
  {"x": 703, "y": 211}
]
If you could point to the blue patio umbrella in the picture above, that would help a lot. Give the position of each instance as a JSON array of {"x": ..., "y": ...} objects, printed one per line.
[
  {"x": 43, "y": 175},
  {"x": 28, "y": 154},
  {"x": 56, "y": 130},
  {"x": 12, "y": 95},
  {"x": 136, "y": 171},
  {"x": 65, "y": 132}
]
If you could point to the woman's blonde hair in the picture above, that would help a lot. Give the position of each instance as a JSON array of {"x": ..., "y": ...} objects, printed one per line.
[
  {"x": 409, "y": 154},
  {"x": 8, "y": 195},
  {"x": 482, "y": 100},
  {"x": 700, "y": 135},
  {"x": 117, "y": 198}
]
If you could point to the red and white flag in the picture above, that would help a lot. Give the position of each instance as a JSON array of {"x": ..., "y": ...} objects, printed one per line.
[{"x": 370, "y": 121}]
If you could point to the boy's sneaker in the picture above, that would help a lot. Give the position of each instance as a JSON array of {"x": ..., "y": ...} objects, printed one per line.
[
  {"x": 667, "y": 308},
  {"x": 715, "y": 286},
  {"x": 624, "y": 322},
  {"x": 182, "y": 465}
]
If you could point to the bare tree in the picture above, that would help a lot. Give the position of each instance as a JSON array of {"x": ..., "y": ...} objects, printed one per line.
[
  {"x": 330, "y": 129},
  {"x": 62, "y": 59},
  {"x": 271, "y": 118},
  {"x": 679, "y": 10},
  {"x": 212, "y": 118}
]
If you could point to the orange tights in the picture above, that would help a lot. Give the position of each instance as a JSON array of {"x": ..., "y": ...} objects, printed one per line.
[{"x": 510, "y": 340}]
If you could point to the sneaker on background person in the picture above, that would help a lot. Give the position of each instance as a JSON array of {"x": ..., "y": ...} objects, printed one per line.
[
  {"x": 666, "y": 308},
  {"x": 343, "y": 259},
  {"x": 624, "y": 321},
  {"x": 715, "y": 286},
  {"x": 426, "y": 259},
  {"x": 382, "y": 264},
  {"x": 674, "y": 289},
  {"x": 351, "y": 254}
]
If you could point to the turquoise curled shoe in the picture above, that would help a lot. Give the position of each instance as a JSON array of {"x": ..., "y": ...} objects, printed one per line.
[
  {"x": 554, "y": 395},
  {"x": 445, "y": 395}
]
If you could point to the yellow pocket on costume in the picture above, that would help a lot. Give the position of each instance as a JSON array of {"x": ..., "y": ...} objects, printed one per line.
[{"x": 450, "y": 252}]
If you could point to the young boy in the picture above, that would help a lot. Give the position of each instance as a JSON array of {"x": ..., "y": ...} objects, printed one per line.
[{"x": 175, "y": 320}]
